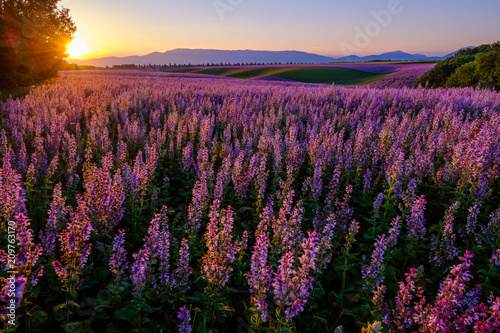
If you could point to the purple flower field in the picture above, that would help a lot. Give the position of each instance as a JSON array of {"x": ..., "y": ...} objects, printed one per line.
[
  {"x": 404, "y": 76},
  {"x": 151, "y": 202}
]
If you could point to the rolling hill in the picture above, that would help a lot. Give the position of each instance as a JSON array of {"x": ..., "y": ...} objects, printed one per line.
[{"x": 205, "y": 56}]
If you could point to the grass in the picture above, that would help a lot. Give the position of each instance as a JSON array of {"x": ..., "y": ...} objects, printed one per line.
[{"x": 342, "y": 76}]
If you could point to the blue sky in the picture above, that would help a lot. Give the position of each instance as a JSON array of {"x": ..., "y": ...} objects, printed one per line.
[{"x": 328, "y": 27}]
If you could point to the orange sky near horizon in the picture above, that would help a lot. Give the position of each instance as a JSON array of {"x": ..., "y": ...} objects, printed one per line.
[{"x": 326, "y": 27}]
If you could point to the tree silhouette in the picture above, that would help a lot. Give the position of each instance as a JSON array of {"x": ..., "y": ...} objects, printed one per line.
[{"x": 33, "y": 39}]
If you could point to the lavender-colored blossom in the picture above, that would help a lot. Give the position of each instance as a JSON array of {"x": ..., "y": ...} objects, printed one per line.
[
  {"x": 118, "y": 261},
  {"x": 373, "y": 273},
  {"x": 261, "y": 177},
  {"x": 326, "y": 235},
  {"x": 367, "y": 181},
  {"x": 27, "y": 253},
  {"x": 187, "y": 157},
  {"x": 378, "y": 298},
  {"x": 394, "y": 231},
  {"x": 278, "y": 151},
  {"x": 286, "y": 228},
  {"x": 455, "y": 309},
  {"x": 290, "y": 286},
  {"x": 351, "y": 235},
  {"x": 490, "y": 231},
  {"x": 19, "y": 282},
  {"x": 139, "y": 271},
  {"x": 104, "y": 195},
  {"x": 450, "y": 296},
  {"x": 343, "y": 213},
  {"x": 333, "y": 186},
  {"x": 180, "y": 276},
  {"x": 404, "y": 76},
  {"x": 185, "y": 317},
  {"x": 314, "y": 183},
  {"x": 241, "y": 175},
  {"x": 378, "y": 202},
  {"x": 199, "y": 202},
  {"x": 56, "y": 221},
  {"x": 12, "y": 195},
  {"x": 259, "y": 277},
  {"x": 221, "y": 250},
  {"x": 495, "y": 258},
  {"x": 445, "y": 248},
  {"x": 403, "y": 313},
  {"x": 488, "y": 317},
  {"x": 75, "y": 244},
  {"x": 157, "y": 243},
  {"x": 137, "y": 179},
  {"x": 472, "y": 218},
  {"x": 416, "y": 221}
]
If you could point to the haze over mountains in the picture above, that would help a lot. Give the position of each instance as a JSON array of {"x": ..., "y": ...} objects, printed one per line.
[{"x": 205, "y": 56}]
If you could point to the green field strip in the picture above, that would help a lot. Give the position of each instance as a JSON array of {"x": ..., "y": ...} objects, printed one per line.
[{"x": 329, "y": 75}]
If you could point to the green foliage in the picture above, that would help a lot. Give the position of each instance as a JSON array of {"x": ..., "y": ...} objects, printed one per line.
[
  {"x": 488, "y": 67},
  {"x": 465, "y": 76},
  {"x": 467, "y": 68},
  {"x": 33, "y": 39},
  {"x": 438, "y": 76}
]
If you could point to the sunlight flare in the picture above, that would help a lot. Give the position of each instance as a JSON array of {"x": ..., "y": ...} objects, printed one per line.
[{"x": 77, "y": 49}]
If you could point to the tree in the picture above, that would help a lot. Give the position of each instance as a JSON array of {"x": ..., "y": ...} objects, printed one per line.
[
  {"x": 438, "y": 76},
  {"x": 467, "y": 68},
  {"x": 33, "y": 39},
  {"x": 465, "y": 76},
  {"x": 488, "y": 67}
]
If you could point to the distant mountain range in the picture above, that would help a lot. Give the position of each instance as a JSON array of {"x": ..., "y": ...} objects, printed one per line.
[{"x": 204, "y": 56}]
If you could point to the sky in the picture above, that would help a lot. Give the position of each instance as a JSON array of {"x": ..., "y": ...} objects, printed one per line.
[{"x": 326, "y": 27}]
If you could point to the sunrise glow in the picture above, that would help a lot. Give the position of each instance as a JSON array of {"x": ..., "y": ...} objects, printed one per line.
[{"x": 77, "y": 49}]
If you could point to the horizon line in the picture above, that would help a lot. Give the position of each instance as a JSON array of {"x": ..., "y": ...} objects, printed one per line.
[{"x": 233, "y": 50}]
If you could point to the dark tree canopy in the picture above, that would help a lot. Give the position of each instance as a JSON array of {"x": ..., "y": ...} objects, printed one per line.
[{"x": 33, "y": 39}]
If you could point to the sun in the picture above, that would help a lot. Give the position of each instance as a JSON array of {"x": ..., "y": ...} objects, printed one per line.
[{"x": 76, "y": 48}]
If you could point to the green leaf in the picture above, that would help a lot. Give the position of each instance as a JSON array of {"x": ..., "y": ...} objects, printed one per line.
[
  {"x": 72, "y": 327},
  {"x": 130, "y": 313},
  {"x": 36, "y": 290},
  {"x": 398, "y": 254},
  {"x": 77, "y": 327},
  {"x": 319, "y": 291},
  {"x": 231, "y": 290},
  {"x": 332, "y": 296},
  {"x": 111, "y": 328},
  {"x": 201, "y": 298},
  {"x": 222, "y": 307},
  {"x": 38, "y": 318},
  {"x": 322, "y": 320},
  {"x": 104, "y": 274},
  {"x": 254, "y": 319},
  {"x": 146, "y": 309},
  {"x": 100, "y": 313},
  {"x": 60, "y": 312}
]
